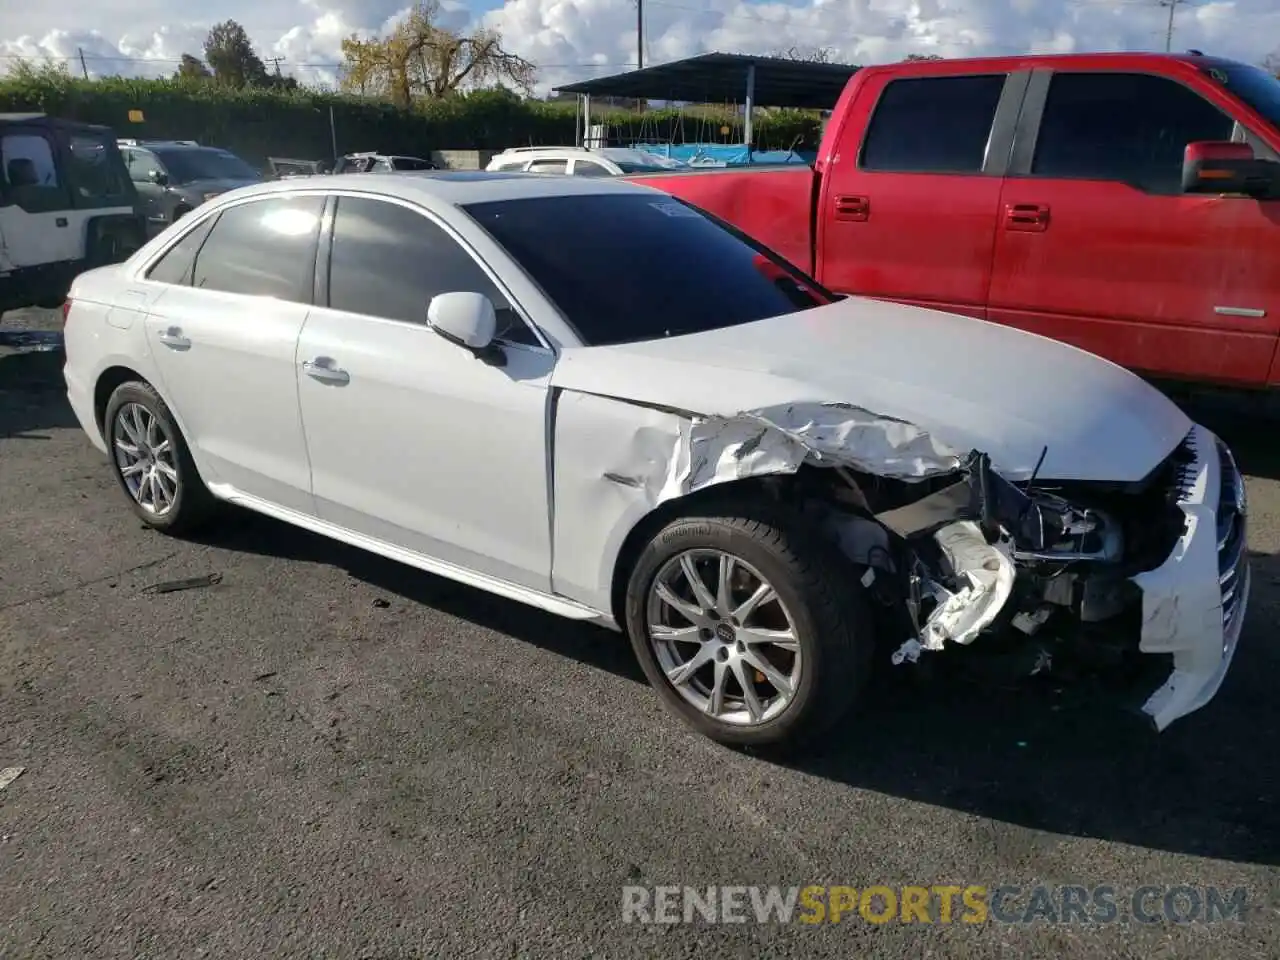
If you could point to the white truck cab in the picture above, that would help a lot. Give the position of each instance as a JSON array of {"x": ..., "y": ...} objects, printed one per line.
[{"x": 66, "y": 205}]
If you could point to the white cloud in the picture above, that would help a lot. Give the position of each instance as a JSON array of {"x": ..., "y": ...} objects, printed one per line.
[{"x": 575, "y": 39}]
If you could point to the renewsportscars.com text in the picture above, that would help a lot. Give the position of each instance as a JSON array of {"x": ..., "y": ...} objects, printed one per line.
[{"x": 936, "y": 904}]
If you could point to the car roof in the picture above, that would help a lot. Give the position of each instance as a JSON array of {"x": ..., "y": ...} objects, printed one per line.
[{"x": 453, "y": 187}]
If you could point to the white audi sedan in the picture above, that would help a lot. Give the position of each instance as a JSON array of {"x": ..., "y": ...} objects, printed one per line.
[{"x": 589, "y": 397}]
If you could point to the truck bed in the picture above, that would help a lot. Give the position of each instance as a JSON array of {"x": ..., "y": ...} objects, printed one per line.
[{"x": 761, "y": 201}]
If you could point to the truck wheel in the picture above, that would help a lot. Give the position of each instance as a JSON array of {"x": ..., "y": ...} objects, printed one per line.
[
  {"x": 749, "y": 627},
  {"x": 152, "y": 463}
]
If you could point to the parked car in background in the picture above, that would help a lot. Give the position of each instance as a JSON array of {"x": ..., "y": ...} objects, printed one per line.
[
  {"x": 483, "y": 376},
  {"x": 66, "y": 205},
  {"x": 1125, "y": 203},
  {"x": 582, "y": 162},
  {"x": 173, "y": 177},
  {"x": 380, "y": 163}
]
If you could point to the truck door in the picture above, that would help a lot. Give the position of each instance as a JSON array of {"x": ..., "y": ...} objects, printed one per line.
[
  {"x": 34, "y": 200},
  {"x": 1099, "y": 247},
  {"x": 909, "y": 199}
]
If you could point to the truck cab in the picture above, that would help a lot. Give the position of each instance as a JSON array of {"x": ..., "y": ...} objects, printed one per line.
[
  {"x": 1059, "y": 194},
  {"x": 66, "y": 205}
]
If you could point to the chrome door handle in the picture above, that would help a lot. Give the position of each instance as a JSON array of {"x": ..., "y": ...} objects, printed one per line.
[
  {"x": 172, "y": 337},
  {"x": 323, "y": 369}
]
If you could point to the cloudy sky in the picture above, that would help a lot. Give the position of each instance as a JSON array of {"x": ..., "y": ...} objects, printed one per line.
[{"x": 576, "y": 39}]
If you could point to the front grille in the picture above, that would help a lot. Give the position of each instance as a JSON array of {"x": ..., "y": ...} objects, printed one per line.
[{"x": 1231, "y": 534}]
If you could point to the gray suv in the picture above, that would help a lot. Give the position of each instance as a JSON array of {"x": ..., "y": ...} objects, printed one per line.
[{"x": 173, "y": 177}]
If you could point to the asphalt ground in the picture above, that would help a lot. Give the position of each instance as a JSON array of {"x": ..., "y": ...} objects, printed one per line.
[{"x": 324, "y": 754}]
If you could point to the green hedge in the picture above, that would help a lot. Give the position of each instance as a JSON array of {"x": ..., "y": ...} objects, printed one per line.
[{"x": 258, "y": 123}]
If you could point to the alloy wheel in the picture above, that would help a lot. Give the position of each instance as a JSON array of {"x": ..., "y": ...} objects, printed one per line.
[{"x": 723, "y": 637}]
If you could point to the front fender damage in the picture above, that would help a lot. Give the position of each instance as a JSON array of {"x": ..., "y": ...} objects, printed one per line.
[{"x": 957, "y": 550}]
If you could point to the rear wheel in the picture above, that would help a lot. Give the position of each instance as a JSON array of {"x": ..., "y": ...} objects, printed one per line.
[
  {"x": 749, "y": 627},
  {"x": 151, "y": 461}
]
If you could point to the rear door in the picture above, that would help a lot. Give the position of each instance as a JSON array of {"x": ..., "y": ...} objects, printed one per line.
[
  {"x": 224, "y": 334},
  {"x": 1098, "y": 246},
  {"x": 908, "y": 207}
]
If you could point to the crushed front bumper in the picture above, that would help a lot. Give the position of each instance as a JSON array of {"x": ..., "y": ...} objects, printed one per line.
[{"x": 1193, "y": 605}]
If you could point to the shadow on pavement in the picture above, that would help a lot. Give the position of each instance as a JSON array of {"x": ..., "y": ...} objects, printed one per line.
[
  {"x": 32, "y": 395},
  {"x": 1066, "y": 760}
]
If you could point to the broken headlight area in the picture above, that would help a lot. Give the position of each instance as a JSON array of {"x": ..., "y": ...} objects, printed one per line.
[{"x": 971, "y": 553}]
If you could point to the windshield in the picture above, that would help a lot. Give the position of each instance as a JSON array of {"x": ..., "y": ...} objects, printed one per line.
[
  {"x": 1253, "y": 85},
  {"x": 186, "y": 165},
  {"x": 624, "y": 267}
]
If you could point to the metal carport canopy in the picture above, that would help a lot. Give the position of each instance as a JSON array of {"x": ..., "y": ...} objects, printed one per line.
[{"x": 728, "y": 78}]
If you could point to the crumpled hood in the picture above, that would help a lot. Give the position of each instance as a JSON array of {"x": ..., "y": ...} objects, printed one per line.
[{"x": 970, "y": 383}]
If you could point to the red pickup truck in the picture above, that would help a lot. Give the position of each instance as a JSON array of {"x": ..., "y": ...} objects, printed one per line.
[{"x": 1126, "y": 203}]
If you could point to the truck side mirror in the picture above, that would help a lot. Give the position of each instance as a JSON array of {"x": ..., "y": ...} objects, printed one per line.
[
  {"x": 1210, "y": 166},
  {"x": 158, "y": 177}
]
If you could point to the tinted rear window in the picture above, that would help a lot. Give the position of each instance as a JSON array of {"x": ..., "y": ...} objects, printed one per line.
[{"x": 624, "y": 268}]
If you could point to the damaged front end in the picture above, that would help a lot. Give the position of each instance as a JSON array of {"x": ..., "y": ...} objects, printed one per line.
[{"x": 1094, "y": 571}]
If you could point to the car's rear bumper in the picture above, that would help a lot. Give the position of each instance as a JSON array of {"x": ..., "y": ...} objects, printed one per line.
[
  {"x": 1193, "y": 605},
  {"x": 80, "y": 396}
]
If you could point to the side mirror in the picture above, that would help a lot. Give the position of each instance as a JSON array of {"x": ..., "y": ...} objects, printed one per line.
[
  {"x": 467, "y": 319},
  {"x": 1210, "y": 166},
  {"x": 158, "y": 178}
]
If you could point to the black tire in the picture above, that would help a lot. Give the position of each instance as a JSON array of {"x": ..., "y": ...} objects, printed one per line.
[
  {"x": 193, "y": 504},
  {"x": 818, "y": 586}
]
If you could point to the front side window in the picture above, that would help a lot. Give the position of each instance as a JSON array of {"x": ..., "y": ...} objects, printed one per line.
[
  {"x": 933, "y": 125},
  {"x": 264, "y": 248},
  {"x": 143, "y": 166},
  {"x": 389, "y": 261},
  {"x": 1128, "y": 127},
  {"x": 593, "y": 256}
]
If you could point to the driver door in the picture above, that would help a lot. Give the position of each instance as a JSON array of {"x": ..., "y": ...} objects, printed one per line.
[
  {"x": 413, "y": 440},
  {"x": 143, "y": 170}
]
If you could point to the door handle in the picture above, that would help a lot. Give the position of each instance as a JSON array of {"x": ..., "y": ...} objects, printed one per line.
[
  {"x": 1029, "y": 217},
  {"x": 323, "y": 369},
  {"x": 173, "y": 337},
  {"x": 852, "y": 208}
]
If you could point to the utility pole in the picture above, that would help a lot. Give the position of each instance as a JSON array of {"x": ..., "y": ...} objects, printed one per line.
[
  {"x": 639, "y": 34},
  {"x": 274, "y": 60},
  {"x": 84, "y": 67},
  {"x": 1173, "y": 6}
]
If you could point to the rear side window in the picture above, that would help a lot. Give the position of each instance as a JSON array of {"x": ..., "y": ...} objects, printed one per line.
[
  {"x": 175, "y": 265},
  {"x": 1128, "y": 127},
  {"x": 932, "y": 125},
  {"x": 389, "y": 261},
  {"x": 549, "y": 166},
  {"x": 265, "y": 248}
]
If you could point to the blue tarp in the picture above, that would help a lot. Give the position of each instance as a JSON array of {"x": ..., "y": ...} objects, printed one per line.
[{"x": 724, "y": 155}]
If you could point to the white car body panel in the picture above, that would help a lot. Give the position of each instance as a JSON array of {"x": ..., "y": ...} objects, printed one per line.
[
  {"x": 429, "y": 447},
  {"x": 972, "y": 384},
  {"x": 526, "y": 479},
  {"x": 232, "y": 373}
]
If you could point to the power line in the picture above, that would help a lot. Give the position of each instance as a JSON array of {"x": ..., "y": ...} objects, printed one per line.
[{"x": 328, "y": 65}]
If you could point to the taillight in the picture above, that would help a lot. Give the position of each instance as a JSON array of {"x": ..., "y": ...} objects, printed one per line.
[{"x": 66, "y": 309}]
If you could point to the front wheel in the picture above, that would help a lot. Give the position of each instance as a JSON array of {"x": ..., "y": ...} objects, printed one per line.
[{"x": 750, "y": 627}]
